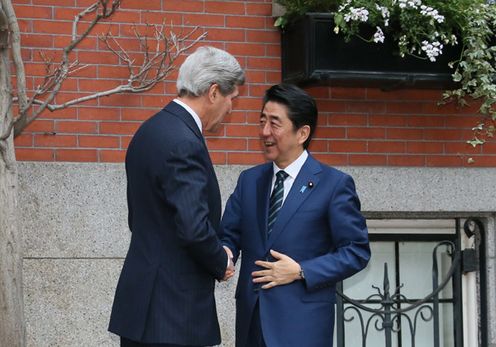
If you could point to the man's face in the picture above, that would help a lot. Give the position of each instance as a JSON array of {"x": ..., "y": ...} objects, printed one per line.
[
  {"x": 220, "y": 107},
  {"x": 280, "y": 142}
]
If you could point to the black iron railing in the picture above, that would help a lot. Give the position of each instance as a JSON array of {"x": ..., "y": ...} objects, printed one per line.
[{"x": 391, "y": 315}]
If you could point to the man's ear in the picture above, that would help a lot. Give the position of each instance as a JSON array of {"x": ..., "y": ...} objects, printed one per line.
[
  {"x": 303, "y": 134},
  {"x": 213, "y": 92}
]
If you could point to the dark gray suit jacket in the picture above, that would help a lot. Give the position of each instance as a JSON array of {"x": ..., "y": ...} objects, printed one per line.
[{"x": 165, "y": 292}]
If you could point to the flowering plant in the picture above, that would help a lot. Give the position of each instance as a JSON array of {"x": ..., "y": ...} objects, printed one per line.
[{"x": 423, "y": 29}]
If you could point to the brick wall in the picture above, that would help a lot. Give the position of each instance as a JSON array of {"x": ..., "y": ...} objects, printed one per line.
[{"x": 357, "y": 126}]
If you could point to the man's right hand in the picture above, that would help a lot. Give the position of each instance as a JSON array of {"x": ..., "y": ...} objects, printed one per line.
[{"x": 230, "y": 270}]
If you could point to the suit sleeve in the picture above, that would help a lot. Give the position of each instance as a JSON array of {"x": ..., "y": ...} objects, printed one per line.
[
  {"x": 348, "y": 232},
  {"x": 231, "y": 221},
  {"x": 184, "y": 183}
]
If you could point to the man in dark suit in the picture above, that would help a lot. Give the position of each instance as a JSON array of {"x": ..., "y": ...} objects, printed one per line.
[
  {"x": 165, "y": 294},
  {"x": 298, "y": 225}
]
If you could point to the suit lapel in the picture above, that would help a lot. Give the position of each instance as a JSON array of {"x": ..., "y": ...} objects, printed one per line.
[
  {"x": 299, "y": 192},
  {"x": 262, "y": 199}
]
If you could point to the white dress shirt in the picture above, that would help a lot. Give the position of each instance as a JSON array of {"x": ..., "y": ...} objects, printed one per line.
[
  {"x": 191, "y": 112},
  {"x": 292, "y": 170}
]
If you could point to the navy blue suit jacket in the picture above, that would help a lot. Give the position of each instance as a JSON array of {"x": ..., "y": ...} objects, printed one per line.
[
  {"x": 165, "y": 293},
  {"x": 320, "y": 227}
]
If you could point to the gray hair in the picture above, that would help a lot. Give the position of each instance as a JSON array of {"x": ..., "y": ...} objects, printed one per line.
[{"x": 206, "y": 66}]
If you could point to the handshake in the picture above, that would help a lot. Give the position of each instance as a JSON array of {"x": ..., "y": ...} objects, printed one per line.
[{"x": 230, "y": 270}]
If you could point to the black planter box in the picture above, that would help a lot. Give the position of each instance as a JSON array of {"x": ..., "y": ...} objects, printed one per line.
[{"x": 312, "y": 54}]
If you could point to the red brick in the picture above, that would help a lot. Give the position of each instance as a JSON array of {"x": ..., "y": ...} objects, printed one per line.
[
  {"x": 386, "y": 147},
  {"x": 226, "y": 7},
  {"x": 412, "y": 108},
  {"x": 66, "y": 113},
  {"x": 347, "y": 119},
  {"x": 125, "y": 140},
  {"x": 425, "y": 147},
  {"x": 235, "y": 117},
  {"x": 34, "y": 154},
  {"x": 183, "y": 6},
  {"x": 389, "y": 120},
  {"x": 459, "y": 121},
  {"x": 482, "y": 161},
  {"x": 115, "y": 72},
  {"x": 124, "y": 128},
  {"x": 245, "y": 22},
  {"x": 121, "y": 99},
  {"x": 142, "y": 5},
  {"x": 218, "y": 158},
  {"x": 245, "y": 49},
  {"x": 159, "y": 18},
  {"x": 425, "y": 121},
  {"x": 112, "y": 156},
  {"x": 366, "y": 133},
  {"x": 124, "y": 16},
  {"x": 406, "y": 160},
  {"x": 489, "y": 148},
  {"x": 245, "y": 158},
  {"x": 461, "y": 148},
  {"x": 405, "y": 134},
  {"x": 364, "y": 159},
  {"x": 404, "y": 94},
  {"x": 366, "y": 107},
  {"x": 344, "y": 146},
  {"x": 155, "y": 101},
  {"x": 318, "y": 92},
  {"x": 444, "y": 161},
  {"x": 55, "y": 141},
  {"x": 318, "y": 146},
  {"x": 273, "y": 77},
  {"x": 33, "y": 12},
  {"x": 108, "y": 58},
  {"x": 76, "y": 127},
  {"x": 332, "y": 106},
  {"x": 35, "y": 40},
  {"x": 217, "y": 34},
  {"x": 51, "y": 27},
  {"x": 76, "y": 155},
  {"x": 254, "y": 145},
  {"x": 98, "y": 113},
  {"x": 40, "y": 126},
  {"x": 60, "y": 3},
  {"x": 226, "y": 144},
  {"x": 332, "y": 159},
  {"x": 442, "y": 134},
  {"x": 348, "y": 93},
  {"x": 23, "y": 140},
  {"x": 262, "y": 36},
  {"x": 242, "y": 130},
  {"x": 265, "y": 63},
  {"x": 259, "y": 9},
  {"x": 99, "y": 141},
  {"x": 329, "y": 133},
  {"x": 273, "y": 51},
  {"x": 208, "y": 20},
  {"x": 138, "y": 114}
]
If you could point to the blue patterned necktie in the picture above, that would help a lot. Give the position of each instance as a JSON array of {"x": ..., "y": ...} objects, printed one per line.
[{"x": 276, "y": 199}]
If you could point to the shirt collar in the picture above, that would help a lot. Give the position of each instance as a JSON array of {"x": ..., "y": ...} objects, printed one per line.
[
  {"x": 294, "y": 168},
  {"x": 191, "y": 112}
]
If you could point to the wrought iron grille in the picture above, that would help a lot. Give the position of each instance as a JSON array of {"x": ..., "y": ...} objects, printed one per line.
[{"x": 392, "y": 313}]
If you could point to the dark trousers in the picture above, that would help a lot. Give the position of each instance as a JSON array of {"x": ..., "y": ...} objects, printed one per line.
[
  {"x": 255, "y": 335},
  {"x": 128, "y": 343}
]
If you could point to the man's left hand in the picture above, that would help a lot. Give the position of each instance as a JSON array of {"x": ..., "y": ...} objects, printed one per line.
[{"x": 282, "y": 271}]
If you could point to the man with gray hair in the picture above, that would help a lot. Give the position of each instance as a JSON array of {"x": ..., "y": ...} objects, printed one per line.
[{"x": 165, "y": 294}]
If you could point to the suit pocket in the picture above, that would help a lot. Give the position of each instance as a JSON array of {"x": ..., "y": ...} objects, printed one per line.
[{"x": 324, "y": 295}]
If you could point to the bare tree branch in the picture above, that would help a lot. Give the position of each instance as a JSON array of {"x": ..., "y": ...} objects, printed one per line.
[
  {"x": 102, "y": 11},
  {"x": 16, "y": 54},
  {"x": 159, "y": 63}
]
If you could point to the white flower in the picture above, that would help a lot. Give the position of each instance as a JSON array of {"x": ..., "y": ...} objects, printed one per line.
[
  {"x": 357, "y": 14},
  {"x": 379, "y": 36},
  {"x": 432, "y": 50}
]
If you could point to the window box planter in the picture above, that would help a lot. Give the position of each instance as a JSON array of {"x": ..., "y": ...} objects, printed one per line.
[{"x": 312, "y": 54}]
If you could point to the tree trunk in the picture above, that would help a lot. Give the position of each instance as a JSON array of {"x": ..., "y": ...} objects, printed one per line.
[{"x": 11, "y": 296}]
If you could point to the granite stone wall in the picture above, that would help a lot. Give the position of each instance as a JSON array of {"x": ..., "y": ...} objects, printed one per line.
[{"x": 74, "y": 221}]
